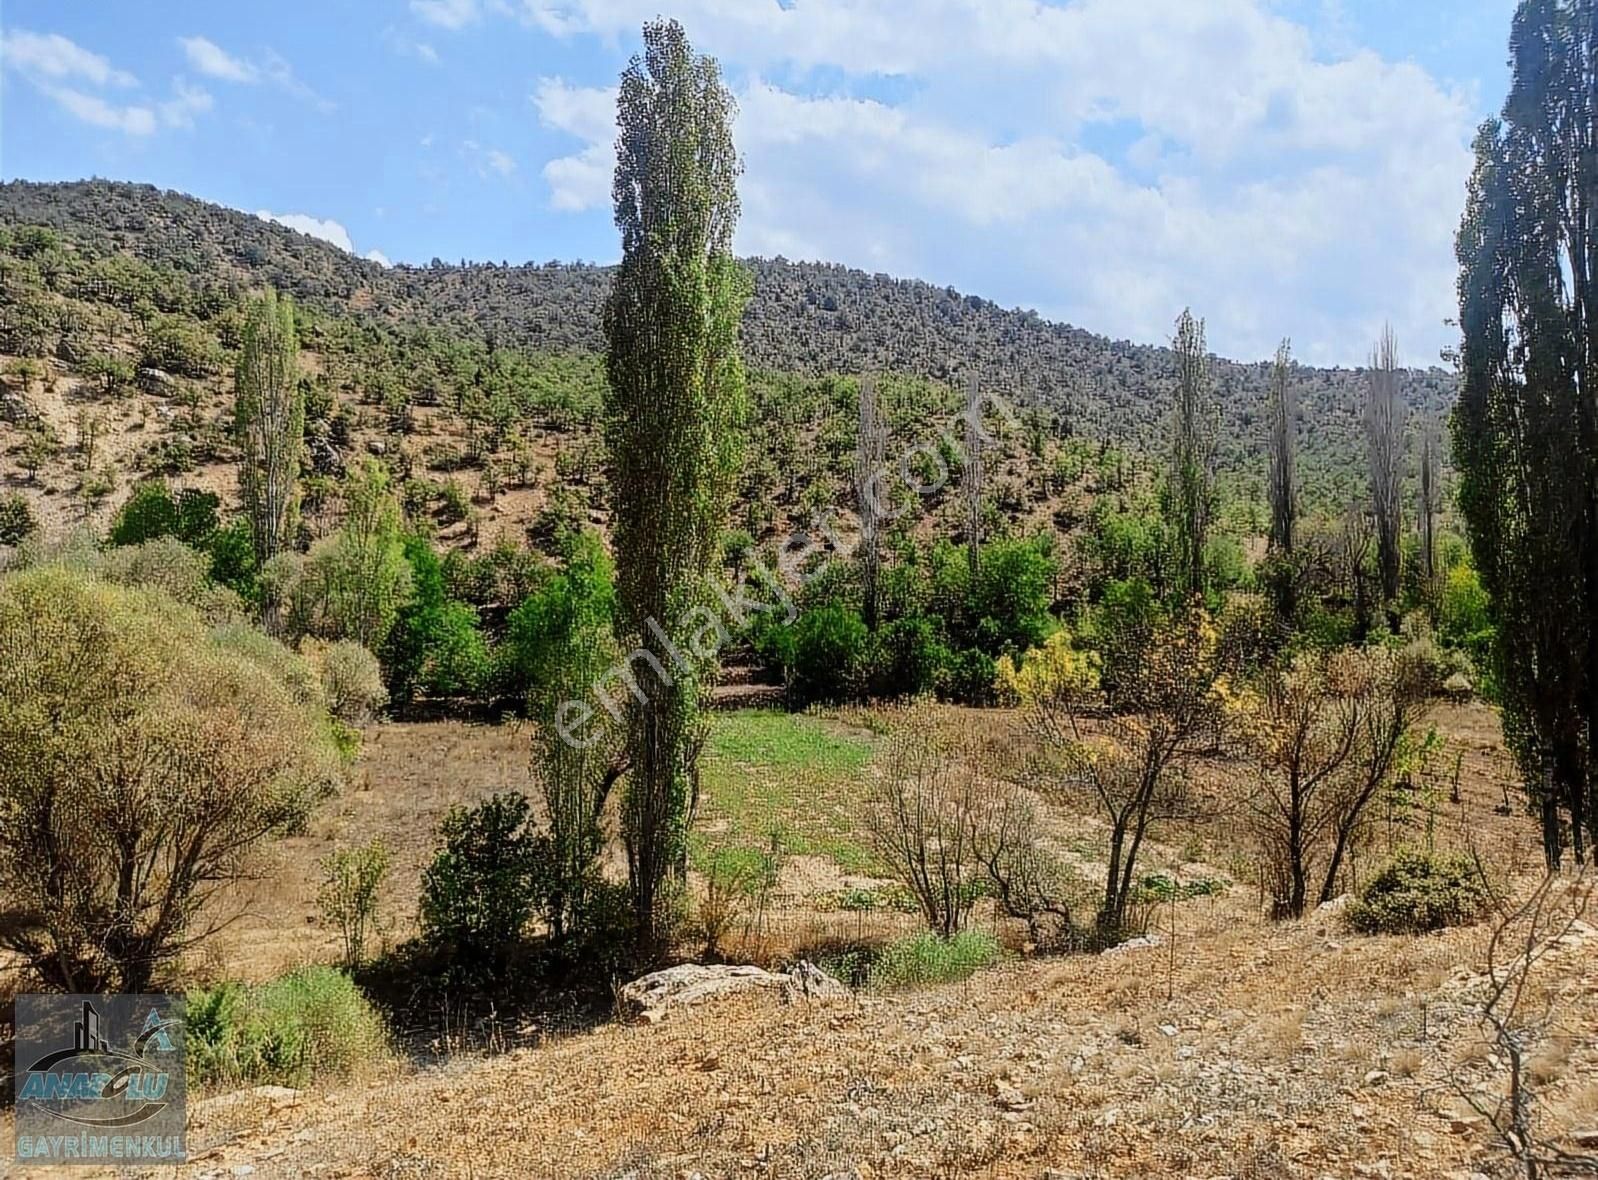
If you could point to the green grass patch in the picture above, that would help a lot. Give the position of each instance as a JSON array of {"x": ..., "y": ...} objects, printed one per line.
[
  {"x": 784, "y": 776},
  {"x": 924, "y": 960},
  {"x": 309, "y": 1024}
]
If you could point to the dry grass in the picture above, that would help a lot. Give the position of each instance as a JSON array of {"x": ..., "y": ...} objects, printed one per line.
[{"x": 1254, "y": 1050}]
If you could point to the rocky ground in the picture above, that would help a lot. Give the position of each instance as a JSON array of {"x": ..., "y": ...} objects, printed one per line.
[{"x": 1294, "y": 1050}]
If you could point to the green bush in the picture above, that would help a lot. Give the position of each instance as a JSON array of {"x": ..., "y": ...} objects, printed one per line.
[
  {"x": 907, "y": 658},
  {"x": 1418, "y": 891},
  {"x": 484, "y": 883},
  {"x": 351, "y": 880},
  {"x": 312, "y": 1023},
  {"x": 967, "y": 677},
  {"x": 16, "y": 519},
  {"x": 152, "y": 511},
  {"x": 830, "y": 655},
  {"x": 925, "y": 959}
]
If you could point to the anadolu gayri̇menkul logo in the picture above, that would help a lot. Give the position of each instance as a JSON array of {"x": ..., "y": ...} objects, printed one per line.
[{"x": 99, "y": 1079}]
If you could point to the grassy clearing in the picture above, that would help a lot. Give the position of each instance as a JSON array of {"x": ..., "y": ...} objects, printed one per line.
[
  {"x": 309, "y": 1024},
  {"x": 792, "y": 777},
  {"x": 920, "y": 960}
]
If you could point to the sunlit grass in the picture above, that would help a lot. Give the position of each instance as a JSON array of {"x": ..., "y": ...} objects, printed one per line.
[{"x": 788, "y": 777}]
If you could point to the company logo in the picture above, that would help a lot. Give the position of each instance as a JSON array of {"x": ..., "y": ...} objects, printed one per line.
[{"x": 100, "y": 1078}]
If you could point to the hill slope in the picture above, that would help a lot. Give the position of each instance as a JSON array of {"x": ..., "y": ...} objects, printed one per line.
[{"x": 804, "y": 318}]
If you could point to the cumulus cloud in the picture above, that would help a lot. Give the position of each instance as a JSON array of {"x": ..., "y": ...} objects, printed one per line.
[
  {"x": 50, "y": 55},
  {"x": 448, "y": 14},
  {"x": 327, "y": 229},
  {"x": 211, "y": 59},
  {"x": 1105, "y": 163}
]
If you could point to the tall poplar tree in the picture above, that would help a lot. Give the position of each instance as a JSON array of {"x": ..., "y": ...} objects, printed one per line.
[
  {"x": 1281, "y": 418},
  {"x": 674, "y": 403},
  {"x": 269, "y": 420},
  {"x": 1526, "y": 426},
  {"x": 1384, "y": 451},
  {"x": 1189, "y": 493}
]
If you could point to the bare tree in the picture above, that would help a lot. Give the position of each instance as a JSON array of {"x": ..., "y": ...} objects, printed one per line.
[
  {"x": 1518, "y": 1016},
  {"x": 922, "y": 814},
  {"x": 1126, "y": 749},
  {"x": 1329, "y": 733},
  {"x": 870, "y": 449},
  {"x": 1384, "y": 446}
]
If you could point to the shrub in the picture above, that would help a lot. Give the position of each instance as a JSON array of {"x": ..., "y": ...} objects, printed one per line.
[
  {"x": 168, "y": 565},
  {"x": 351, "y": 679},
  {"x": 17, "y": 523},
  {"x": 151, "y": 511},
  {"x": 312, "y": 1023},
  {"x": 351, "y": 878},
  {"x": 830, "y": 653},
  {"x": 908, "y": 658},
  {"x": 967, "y": 677},
  {"x": 209, "y": 754},
  {"x": 924, "y": 960},
  {"x": 483, "y": 884},
  {"x": 1418, "y": 891}
]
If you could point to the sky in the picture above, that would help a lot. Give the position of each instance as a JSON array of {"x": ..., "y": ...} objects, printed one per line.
[{"x": 1284, "y": 167}]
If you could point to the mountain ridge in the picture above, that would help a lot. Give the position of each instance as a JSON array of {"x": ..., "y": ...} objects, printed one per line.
[{"x": 804, "y": 317}]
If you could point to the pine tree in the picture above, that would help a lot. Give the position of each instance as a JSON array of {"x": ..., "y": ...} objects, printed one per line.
[
  {"x": 1526, "y": 426},
  {"x": 675, "y": 400},
  {"x": 1384, "y": 450},
  {"x": 1189, "y": 494},
  {"x": 269, "y": 418}
]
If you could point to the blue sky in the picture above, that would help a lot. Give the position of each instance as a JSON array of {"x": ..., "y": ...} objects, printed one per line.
[{"x": 1285, "y": 167}]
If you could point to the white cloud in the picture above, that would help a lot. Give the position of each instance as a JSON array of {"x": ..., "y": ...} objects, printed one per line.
[
  {"x": 324, "y": 228},
  {"x": 52, "y": 56},
  {"x": 92, "y": 109},
  {"x": 186, "y": 102},
  {"x": 448, "y": 14},
  {"x": 328, "y": 230},
  {"x": 212, "y": 60},
  {"x": 488, "y": 160},
  {"x": 1107, "y": 163}
]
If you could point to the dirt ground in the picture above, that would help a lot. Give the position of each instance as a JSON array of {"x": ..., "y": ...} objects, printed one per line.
[{"x": 1237, "y": 1048}]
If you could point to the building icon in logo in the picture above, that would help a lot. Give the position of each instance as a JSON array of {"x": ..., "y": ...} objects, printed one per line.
[{"x": 86, "y": 1036}]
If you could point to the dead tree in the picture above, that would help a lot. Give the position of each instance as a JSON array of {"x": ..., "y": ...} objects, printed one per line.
[{"x": 1517, "y": 1017}]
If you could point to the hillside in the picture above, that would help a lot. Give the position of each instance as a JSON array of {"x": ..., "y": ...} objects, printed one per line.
[{"x": 805, "y": 318}]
